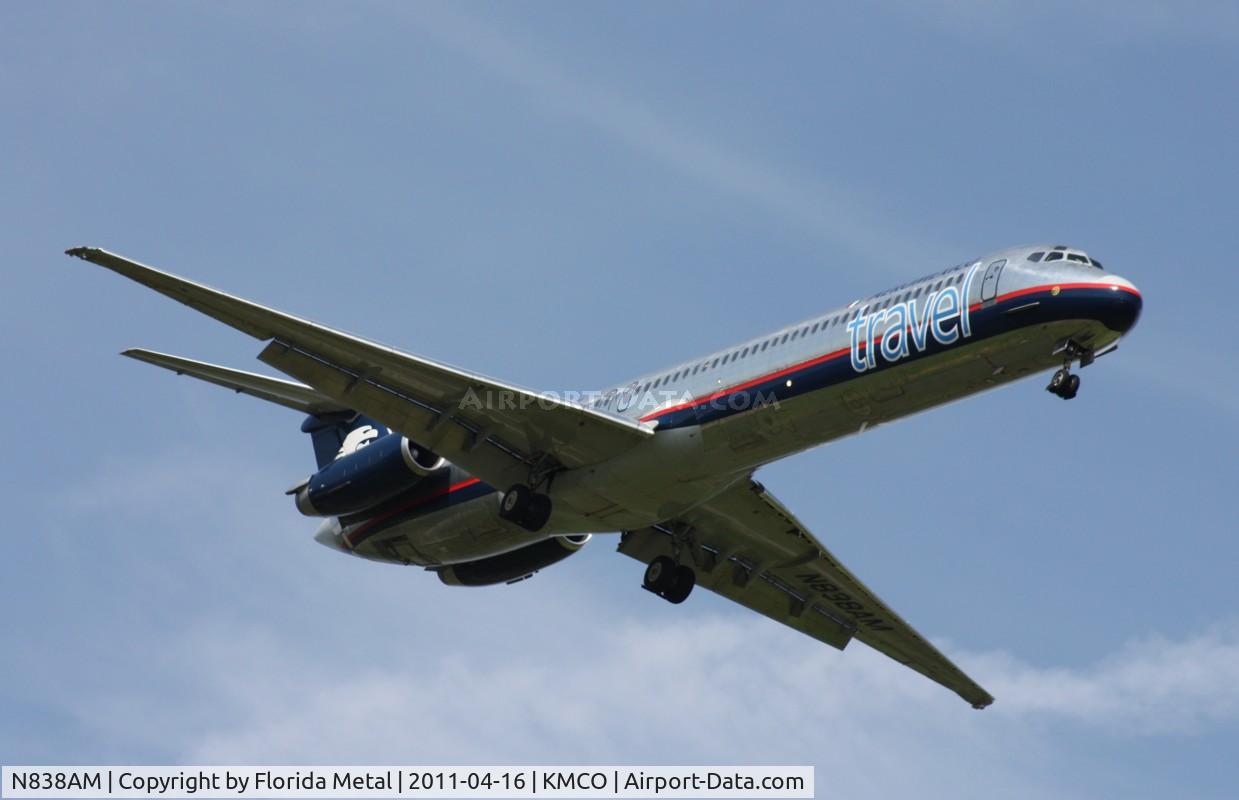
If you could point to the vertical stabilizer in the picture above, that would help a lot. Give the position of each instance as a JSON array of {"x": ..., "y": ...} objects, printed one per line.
[{"x": 339, "y": 433}]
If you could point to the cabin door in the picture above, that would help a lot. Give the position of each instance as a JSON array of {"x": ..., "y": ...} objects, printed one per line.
[{"x": 989, "y": 284}]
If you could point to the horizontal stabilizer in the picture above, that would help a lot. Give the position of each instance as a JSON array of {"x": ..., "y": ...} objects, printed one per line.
[{"x": 290, "y": 394}]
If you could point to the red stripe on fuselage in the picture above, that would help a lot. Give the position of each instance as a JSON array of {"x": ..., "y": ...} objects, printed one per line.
[
  {"x": 1051, "y": 287},
  {"x": 739, "y": 387},
  {"x": 877, "y": 340},
  {"x": 412, "y": 504}
]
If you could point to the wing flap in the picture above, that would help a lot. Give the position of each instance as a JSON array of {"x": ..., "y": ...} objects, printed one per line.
[
  {"x": 877, "y": 624},
  {"x": 733, "y": 577},
  {"x": 435, "y": 424},
  {"x": 748, "y": 526}
]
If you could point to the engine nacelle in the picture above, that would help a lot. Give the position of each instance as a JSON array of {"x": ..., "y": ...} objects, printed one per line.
[
  {"x": 514, "y": 565},
  {"x": 366, "y": 477}
]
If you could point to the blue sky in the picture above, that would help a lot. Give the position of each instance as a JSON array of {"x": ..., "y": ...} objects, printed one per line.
[{"x": 564, "y": 196}]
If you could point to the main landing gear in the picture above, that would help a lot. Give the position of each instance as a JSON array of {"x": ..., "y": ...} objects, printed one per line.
[
  {"x": 525, "y": 507},
  {"x": 670, "y": 581}
]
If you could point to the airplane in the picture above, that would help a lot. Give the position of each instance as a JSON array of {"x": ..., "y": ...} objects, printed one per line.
[{"x": 485, "y": 482}]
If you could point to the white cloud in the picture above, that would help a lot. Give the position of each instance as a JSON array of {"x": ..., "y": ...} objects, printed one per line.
[
  {"x": 713, "y": 689},
  {"x": 399, "y": 669},
  {"x": 1152, "y": 686}
]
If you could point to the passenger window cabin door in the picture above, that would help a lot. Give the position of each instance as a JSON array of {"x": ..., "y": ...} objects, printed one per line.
[{"x": 989, "y": 283}]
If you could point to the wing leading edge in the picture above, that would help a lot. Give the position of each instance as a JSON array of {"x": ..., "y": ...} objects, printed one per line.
[
  {"x": 749, "y": 548},
  {"x": 494, "y": 430}
]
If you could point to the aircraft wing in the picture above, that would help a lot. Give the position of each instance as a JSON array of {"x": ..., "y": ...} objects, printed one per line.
[
  {"x": 286, "y": 393},
  {"x": 749, "y": 548},
  {"x": 492, "y": 429}
]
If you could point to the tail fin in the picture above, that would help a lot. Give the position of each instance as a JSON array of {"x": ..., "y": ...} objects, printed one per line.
[{"x": 339, "y": 433}]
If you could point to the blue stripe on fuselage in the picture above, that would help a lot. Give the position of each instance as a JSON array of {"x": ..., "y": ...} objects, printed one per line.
[{"x": 1116, "y": 308}]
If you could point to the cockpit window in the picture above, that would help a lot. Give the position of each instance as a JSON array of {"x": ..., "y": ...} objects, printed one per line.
[
  {"x": 1035, "y": 257},
  {"x": 1096, "y": 263},
  {"x": 1077, "y": 257},
  {"x": 1055, "y": 256}
]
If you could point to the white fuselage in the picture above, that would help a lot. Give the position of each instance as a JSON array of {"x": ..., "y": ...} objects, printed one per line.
[{"x": 958, "y": 332}]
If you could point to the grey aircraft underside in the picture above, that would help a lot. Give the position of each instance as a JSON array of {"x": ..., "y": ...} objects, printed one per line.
[{"x": 486, "y": 482}]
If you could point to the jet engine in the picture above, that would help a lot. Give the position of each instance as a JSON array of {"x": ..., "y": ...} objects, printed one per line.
[
  {"x": 513, "y": 565},
  {"x": 366, "y": 477}
]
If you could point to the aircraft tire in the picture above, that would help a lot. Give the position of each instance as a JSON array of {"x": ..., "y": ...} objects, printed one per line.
[
  {"x": 515, "y": 503},
  {"x": 537, "y": 513},
  {"x": 685, "y": 580},
  {"x": 660, "y": 575}
]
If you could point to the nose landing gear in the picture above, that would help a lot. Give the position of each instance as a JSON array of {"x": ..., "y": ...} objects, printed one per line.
[
  {"x": 1064, "y": 384},
  {"x": 670, "y": 581}
]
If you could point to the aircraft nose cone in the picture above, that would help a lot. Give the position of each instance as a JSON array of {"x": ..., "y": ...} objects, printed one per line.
[{"x": 1124, "y": 306}]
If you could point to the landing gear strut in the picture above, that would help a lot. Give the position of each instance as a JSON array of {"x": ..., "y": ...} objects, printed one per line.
[
  {"x": 670, "y": 581},
  {"x": 525, "y": 507},
  {"x": 1064, "y": 384}
]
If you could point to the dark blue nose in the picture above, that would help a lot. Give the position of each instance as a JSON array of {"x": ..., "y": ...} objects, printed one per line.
[{"x": 1123, "y": 306}]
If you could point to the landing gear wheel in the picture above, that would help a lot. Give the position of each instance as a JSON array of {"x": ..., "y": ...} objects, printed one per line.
[
  {"x": 660, "y": 575},
  {"x": 1057, "y": 382},
  {"x": 515, "y": 502},
  {"x": 685, "y": 580},
  {"x": 525, "y": 507},
  {"x": 1064, "y": 384},
  {"x": 538, "y": 512}
]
